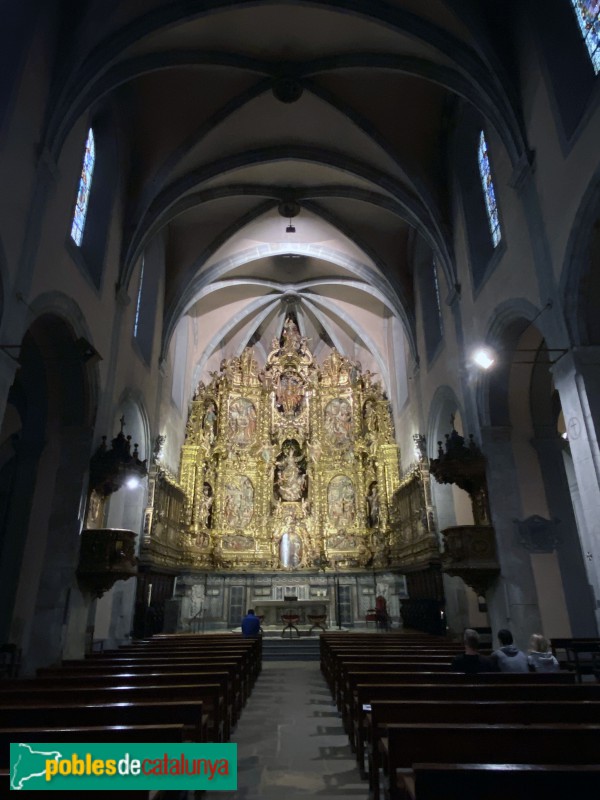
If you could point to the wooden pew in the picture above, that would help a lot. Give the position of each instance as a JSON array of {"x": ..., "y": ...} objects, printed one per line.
[
  {"x": 328, "y": 642},
  {"x": 222, "y": 671},
  {"x": 213, "y": 690},
  {"x": 580, "y": 654},
  {"x": 381, "y": 667},
  {"x": 503, "y": 781},
  {"x": 332, "y": 664},
  {"x": 239, "y": 688},
  {"x": 368, "y": 693},
  {"x": 142, "y": 712},
  {"x": 170, "y": 734},
  {"x": 408, "y": 744},
  {"x": 521, "y": 712},
  {"x": 353, "y": 678},
  {"x": 252, "y": 648},
  {"x": 158, "y": 734},
  {"x": 386, "y": 661},
  {"x": 247, "y": 654},
  {"x": 376, "y": 642},
  {"x": 215, "y": 729}
]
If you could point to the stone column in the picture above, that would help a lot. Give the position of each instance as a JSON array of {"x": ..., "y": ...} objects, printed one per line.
[
  {"x": 579, "y": 596},
  {"x": 512, "y": 600},
  {"x": 577, "y": 379},
  {"x": 8, "y": 368},
  {"x": 54, "y": 629},
  {"x": 14, "y": 533}
]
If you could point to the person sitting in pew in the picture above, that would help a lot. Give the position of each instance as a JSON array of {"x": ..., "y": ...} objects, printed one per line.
[
  {"x": 507, "y": 657},
  {"x": 251, "y": 625},
  {"x": 470, "y": 662},
  {"x": 540, "y": 658}
]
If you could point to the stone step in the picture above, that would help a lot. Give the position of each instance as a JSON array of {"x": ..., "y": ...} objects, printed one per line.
[{"x": 303, "y": 649}]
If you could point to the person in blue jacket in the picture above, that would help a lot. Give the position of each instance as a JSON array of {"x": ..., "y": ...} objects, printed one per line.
[{"x": 251, "y": 625}]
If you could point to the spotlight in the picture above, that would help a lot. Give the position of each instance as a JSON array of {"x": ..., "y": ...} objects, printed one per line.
[
  {"x": 290, "y": 228},
  {"x": 132, "y": 483},
  {"x": 484, "y": 358}
]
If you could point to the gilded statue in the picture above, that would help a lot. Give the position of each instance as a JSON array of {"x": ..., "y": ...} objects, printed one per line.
[
  {"x": 373, "y": 504},
  {"x": 241, "y": 421},
  {"x": 290, "y": 480},
  {"x": 290, "y": 392},
  {"x": 338, "y": 421},
  {"x": 203, "y": 513},
  {"x": 291, "y": 335}
]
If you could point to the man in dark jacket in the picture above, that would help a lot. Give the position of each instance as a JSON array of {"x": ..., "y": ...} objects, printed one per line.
[
  {"x": 250, "y": 625},
  {"x": 470, "y": 662}
]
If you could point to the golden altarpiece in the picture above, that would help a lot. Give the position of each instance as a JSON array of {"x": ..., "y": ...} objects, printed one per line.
[
  {"x": 289, "y": 480},
  {"x": 290, "y": 467}
]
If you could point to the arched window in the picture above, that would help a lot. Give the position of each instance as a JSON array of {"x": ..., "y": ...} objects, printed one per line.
[
  {"x": 85, "y": 185},
  {"x": 138, "y": 305},
  {"x": 588, "y": 17},
  {"x": 488, "y": 190}
]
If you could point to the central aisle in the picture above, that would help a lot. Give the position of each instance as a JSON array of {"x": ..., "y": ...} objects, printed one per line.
[{"x": 291, "y": 742}]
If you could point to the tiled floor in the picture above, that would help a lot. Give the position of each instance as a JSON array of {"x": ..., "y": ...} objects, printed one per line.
[{"x": 291, "y": 743}]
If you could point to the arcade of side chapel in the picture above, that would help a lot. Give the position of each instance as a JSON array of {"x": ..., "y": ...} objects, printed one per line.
[{"x": 299, "y": 313}]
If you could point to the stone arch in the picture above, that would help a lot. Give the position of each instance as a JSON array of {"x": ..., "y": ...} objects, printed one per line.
[
  {"x": 65, "y": 307},
  {"x": 580, "y": 282},
  {"x": 519, "y": 409},
  {"x": 507, "y": 325},
  {"x": 53, "y": 391}
]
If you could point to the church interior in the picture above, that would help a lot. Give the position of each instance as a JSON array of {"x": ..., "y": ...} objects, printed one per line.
[{"x": 299, "y": 312}]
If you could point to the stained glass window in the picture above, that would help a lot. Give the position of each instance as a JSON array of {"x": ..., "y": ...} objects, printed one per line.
[
  {"x": 437, "y": 295},
  {"x": 138, "y": 304},
  {"x": 488, "y": 190},
  {"x": 85, "y": 185},
  {"x": 588, "y": 17}
]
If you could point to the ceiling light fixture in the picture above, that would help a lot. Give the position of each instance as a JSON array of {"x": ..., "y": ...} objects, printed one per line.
[
  {"x": 289, "y": 208},
  {"x": 484, "y": 358}
]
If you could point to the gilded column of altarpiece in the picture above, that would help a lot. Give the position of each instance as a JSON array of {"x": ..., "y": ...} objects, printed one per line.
[{"x": 288, "y": 467}]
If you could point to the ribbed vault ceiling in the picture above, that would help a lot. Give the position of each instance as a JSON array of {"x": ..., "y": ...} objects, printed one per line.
[{"x": 215, "y": 148}]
